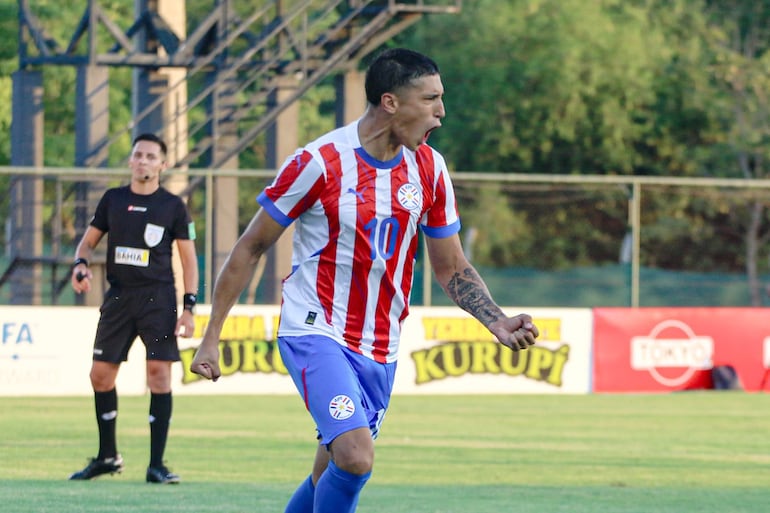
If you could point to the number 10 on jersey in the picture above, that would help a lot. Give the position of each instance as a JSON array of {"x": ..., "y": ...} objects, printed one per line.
[{"x": 382, "y": 235}]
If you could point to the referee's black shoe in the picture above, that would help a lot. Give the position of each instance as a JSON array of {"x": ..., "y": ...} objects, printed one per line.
[
  {"x": 161, "y": 475},
  {"x": 97, "y": 467}
]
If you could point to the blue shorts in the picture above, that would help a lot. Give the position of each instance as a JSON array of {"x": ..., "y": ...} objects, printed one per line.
[{"x": 342, "y": 390}]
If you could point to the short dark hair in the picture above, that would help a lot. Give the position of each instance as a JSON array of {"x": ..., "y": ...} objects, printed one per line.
[
  {"x": 151, "y": 138},
  {"x": 393, "y": 69}
]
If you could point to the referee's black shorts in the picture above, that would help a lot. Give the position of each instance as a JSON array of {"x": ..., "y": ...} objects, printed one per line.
[{"x": 147, "y": 312}]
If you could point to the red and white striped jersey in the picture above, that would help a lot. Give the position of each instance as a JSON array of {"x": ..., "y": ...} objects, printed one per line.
[{"x": 356, "y": 237}]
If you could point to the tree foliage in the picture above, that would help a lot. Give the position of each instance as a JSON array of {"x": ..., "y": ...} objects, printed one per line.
[{"x": 567, "y": 86}]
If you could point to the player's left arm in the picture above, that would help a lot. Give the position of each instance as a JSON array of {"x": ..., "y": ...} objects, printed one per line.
[
  {"x": 187, "y": 255},
  {"x": 463, "y": 284}
]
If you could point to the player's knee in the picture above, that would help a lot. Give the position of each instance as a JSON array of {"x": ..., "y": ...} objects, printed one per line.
[
  {"x": 354, "y": 451},
  {"x": 356, "y": 463}
]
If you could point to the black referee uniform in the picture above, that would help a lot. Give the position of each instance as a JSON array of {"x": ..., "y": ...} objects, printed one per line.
[{"x": 141, "y": 300}]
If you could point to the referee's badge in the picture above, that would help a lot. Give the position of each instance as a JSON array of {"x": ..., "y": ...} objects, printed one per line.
[{"x": 153, "y": 234}]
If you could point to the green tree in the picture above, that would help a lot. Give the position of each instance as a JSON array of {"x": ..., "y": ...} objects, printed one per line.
[
  {"x": 8, "y": 64},
  {"x": 570, "y": 86},
  {"x": 739, "y": 39}
]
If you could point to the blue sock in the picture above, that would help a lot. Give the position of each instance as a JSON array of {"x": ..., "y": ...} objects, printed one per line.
[
  {"x": 337, "y": 491},
  {"x": 302, "y": 500}
]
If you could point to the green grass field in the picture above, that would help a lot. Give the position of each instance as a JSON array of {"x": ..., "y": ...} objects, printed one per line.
[{"x": 678, "y": 453}]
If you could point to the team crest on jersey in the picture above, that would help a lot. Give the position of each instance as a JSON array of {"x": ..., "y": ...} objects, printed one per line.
[
  {"x": 409, "y": 196},
  {"x": 341, "y": 407},
  {"x": 153, "y": 234}
]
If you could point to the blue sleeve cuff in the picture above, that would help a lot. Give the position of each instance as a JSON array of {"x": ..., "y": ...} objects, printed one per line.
[
  {"x": 441, "y": 232},
  {"x": 271, "y": 209}
]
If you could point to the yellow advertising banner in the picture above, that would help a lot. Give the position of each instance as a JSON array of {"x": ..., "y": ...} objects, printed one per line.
[{"x": 47, "y": 351}]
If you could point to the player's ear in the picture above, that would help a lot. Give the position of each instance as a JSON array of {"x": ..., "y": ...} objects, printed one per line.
[{"x": 389, "y": 102}]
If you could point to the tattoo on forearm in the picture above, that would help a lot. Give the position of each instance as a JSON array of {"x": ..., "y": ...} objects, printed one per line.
[{"x": 470, "y": 294}]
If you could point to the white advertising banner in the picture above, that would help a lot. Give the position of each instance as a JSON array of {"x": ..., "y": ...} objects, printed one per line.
[{"x": 47, "y": 351}]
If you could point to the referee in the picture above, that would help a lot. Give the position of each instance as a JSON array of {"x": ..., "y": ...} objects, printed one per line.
[{"x": 142, "y": 221}]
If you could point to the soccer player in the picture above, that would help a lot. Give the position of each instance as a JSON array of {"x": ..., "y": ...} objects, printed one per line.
[
  {"x": 358, "y": 196},
  {"x": 142, "y": 221}
]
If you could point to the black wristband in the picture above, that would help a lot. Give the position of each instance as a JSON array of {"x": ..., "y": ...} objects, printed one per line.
[
  {"x": 189, "y": 300},
  {"x": 79, "y": 261}
]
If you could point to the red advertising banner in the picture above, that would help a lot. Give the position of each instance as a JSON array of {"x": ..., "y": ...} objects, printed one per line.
[{"x": 669, "y": 349}]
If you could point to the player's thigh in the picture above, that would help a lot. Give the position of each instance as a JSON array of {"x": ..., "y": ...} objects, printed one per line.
[
  {"x": 334, "y": 382},
  {"x": 376, "y": 381}
]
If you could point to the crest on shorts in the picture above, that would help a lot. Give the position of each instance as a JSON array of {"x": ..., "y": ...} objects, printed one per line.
[
  {"x": 341, "y": 407},
  {"x": 410, "y": 196},
  {"x": 153, "y": 234}
]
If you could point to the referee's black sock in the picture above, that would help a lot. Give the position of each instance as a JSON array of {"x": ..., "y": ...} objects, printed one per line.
[
  {"x": 106, "y": 404},
  {"x": 160, "y": 418}
]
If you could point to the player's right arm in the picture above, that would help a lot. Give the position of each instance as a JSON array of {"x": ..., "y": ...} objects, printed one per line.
[
  {"x": 235, "y": 274},
  {"x": 81, "y": 274}
]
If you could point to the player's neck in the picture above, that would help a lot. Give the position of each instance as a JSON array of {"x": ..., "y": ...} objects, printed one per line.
[{"x": 376, "y": 136}]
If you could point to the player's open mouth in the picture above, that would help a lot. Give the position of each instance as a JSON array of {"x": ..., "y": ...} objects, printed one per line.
[{"x": 427, "y": 134}]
